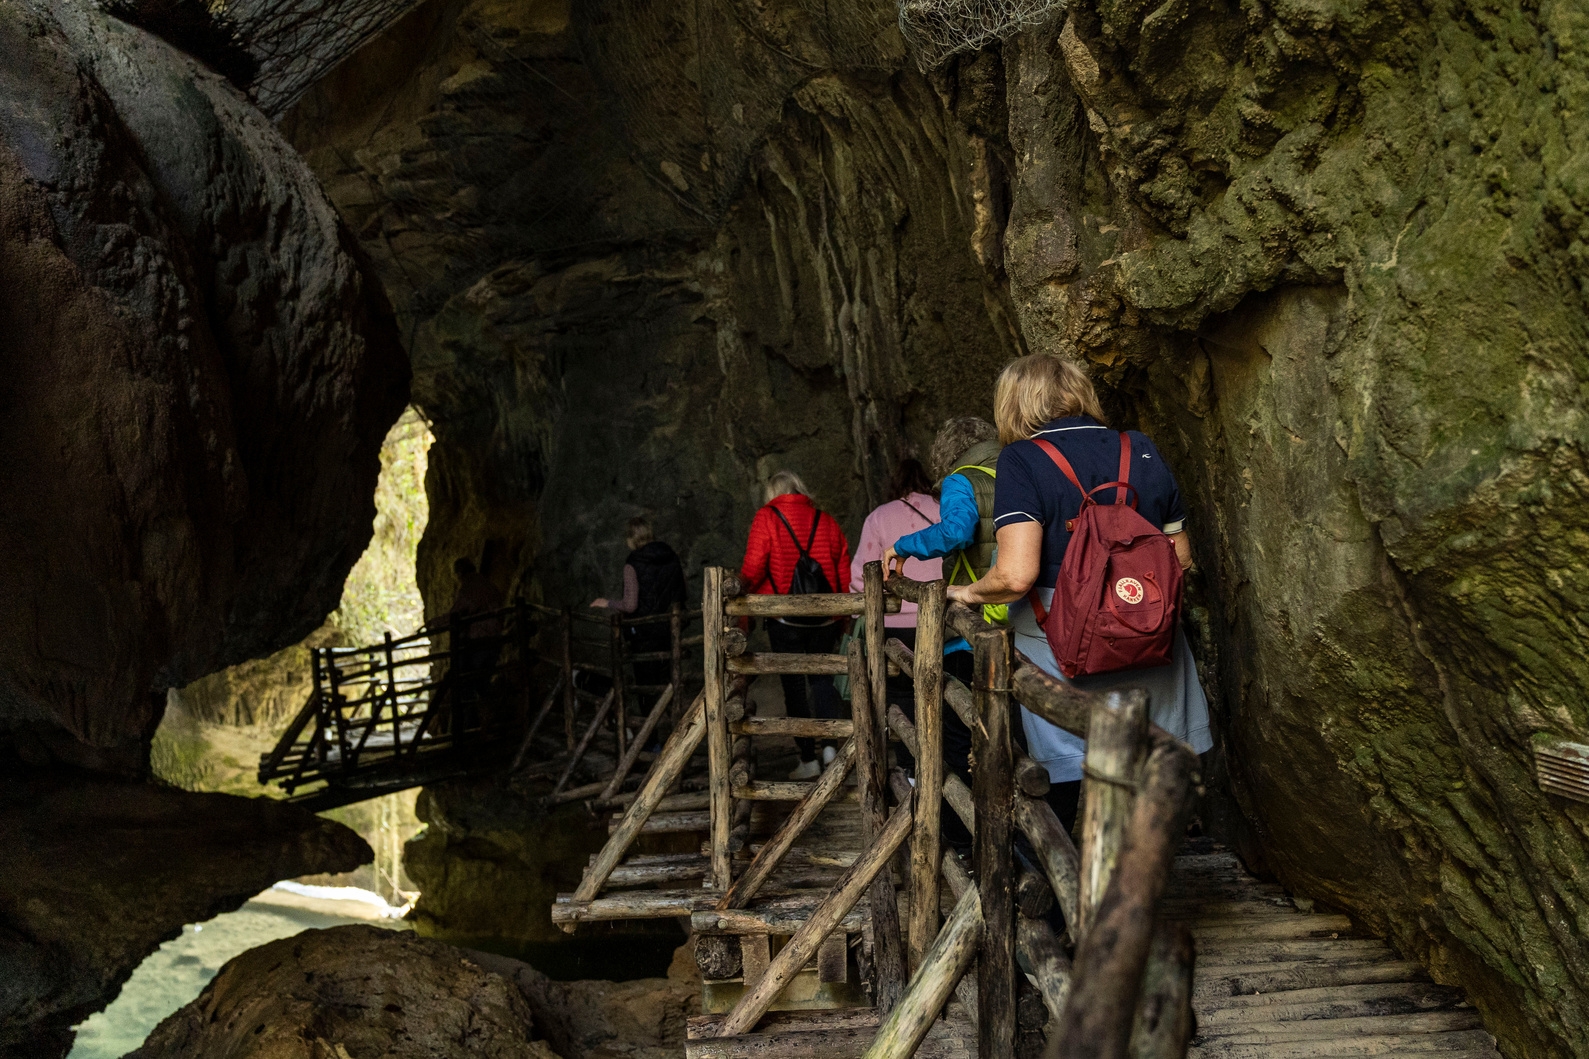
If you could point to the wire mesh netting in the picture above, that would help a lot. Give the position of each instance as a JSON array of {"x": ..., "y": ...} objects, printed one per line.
[{"x": 938, "y": 29}]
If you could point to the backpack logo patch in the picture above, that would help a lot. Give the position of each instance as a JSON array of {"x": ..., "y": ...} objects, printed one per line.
[{"x": 1129, "y": 589}]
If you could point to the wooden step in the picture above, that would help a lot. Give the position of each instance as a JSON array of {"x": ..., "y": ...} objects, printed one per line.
[
  {"x": 1263, "y": 928},
  {"x": 668, "y": 823},
  {"x": 1337, "y": 1002},
  {"x": 1462, "y": 1044},
  {"x": 1321, "y": 1029},
  {"x": 641, "y": 904},
  {"x": 631, "y": 874},
  {"x": 1191, "y": 909},
  {"x": 1258, "y": 953},
  {"x": 1214, "y": 986}
]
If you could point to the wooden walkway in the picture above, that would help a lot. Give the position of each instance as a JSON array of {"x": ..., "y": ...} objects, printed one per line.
[{"x": 1274, "y": 982}]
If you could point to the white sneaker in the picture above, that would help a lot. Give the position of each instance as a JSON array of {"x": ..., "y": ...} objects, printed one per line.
[
  {"x": 806, "y": 770},
  {"x": 828, "y": 754}
]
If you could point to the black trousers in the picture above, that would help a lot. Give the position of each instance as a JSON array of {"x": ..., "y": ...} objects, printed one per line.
[
  {"x": 648, "y": 639},
  {"x": 956, "y": 736},
  {"x": 807, "y": 696}
]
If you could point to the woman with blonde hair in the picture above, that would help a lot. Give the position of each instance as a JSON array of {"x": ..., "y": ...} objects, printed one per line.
[{"x": 1048, "y": 397}]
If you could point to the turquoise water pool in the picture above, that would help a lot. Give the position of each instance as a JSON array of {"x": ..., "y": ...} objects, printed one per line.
[{"x": 178, "y": 971}]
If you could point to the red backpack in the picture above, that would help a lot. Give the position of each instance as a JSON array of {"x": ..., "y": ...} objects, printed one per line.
[{"x": 1118, "y": 596}]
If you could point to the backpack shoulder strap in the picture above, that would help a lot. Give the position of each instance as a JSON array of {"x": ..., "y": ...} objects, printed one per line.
[
  {"x": 792, "y": 535},
  {"x": 917, "y": 510},
  {"x": 1125, "y": 467},
  {"x": 989, "y": 471},
  {"x": 1063, "y": 464},
  {"x": 812, "y": 539}
]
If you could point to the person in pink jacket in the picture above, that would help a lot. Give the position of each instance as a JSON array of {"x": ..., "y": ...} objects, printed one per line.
[{"x": 913, "y": 508}]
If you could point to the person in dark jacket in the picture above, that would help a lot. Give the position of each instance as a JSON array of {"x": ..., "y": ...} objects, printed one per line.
[{"x": 653, "y": 581}]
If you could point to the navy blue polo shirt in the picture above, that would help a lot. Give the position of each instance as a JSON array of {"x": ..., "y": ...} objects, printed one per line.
[{"x": 1030, "y": 488}]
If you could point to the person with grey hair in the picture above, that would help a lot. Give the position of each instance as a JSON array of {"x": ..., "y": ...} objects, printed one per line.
[{"x": 787, "y": 531}]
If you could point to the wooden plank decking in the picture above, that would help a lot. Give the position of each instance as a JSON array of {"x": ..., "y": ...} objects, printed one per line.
[{"x": 1273, "y": 982}]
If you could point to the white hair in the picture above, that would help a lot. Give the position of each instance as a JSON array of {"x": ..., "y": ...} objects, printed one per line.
[{"x": 783, "y": 482}]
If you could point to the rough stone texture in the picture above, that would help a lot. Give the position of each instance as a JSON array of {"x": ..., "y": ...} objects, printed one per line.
[
  {"x": 1329, "y": 254},
  {"x": 351, "y": 991},
  {"x": 592, "y": 1019},
  {"x": 98, "y": 872},
  {"x": 581, "y": 310},
  {"x": 361, "y": 991},
  {"x": 199, "y": 375}
]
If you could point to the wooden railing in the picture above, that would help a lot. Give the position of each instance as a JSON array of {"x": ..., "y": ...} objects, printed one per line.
[
  {"x": 1136, "y": 797},
  {"x": 449, "y": 700}
]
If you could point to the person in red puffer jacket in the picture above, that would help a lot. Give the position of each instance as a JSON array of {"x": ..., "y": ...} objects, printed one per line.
[{"x": 778, "y": 534}]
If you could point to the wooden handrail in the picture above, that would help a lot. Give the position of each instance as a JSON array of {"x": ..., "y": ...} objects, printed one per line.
[{"x": 1112, "y": 955}]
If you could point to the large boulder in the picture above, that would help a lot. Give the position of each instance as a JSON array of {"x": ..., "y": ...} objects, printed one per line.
[
  {"x": 358, "y": 990},
  {"x": 199, "y": 373},
  {"x": 99, "y": 871}
]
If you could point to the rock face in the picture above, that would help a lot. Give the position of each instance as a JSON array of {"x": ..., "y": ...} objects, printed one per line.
[
  {"x": 199, "y": 375},
  {"x": 1331, "y": 256},
  {"x": 351, "y": 991},
  {"x": 357, "y": 991},
  {"x": 98, "y": 872}
]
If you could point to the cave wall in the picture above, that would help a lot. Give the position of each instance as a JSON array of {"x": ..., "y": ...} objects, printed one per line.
[
  {"x": 1329, "y": 255},
  {"x": 598, "y": 331},
  {"x": 199, "y": 372}
]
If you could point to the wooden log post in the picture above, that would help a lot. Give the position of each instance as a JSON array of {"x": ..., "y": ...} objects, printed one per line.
[
  {"x": 755, "y": 1001},
  {"x": 876, "y": 661},
  {"x": 391, "y": 695},
  {"x": 1043, "y": 953},
  {"x": 942, "y": 966},
  {"x": 668, "y": 768},
  {"x": 994, "y": 786},
  {"x": 772, "y": 853},
  {"x": 1114, "y": 951},
  {"x": 926, "y": 841},
  {"x": 955, "y": 792},
  {"x": 621, "y": 719},
  {"x": 535, "y": 726},
  {"x": 584, "y": 744},
  {"x": 676, "y": 652},
  {"x": 1030, "y": 777},
  {"x": 1116, "y": 734},
  {"x": 1056, "y": 853},
  {"x": 652, "y": 720},
  {"x": 1164, "y": 1022},
  {"x": 741, "y": 775},
  {"x": 718, "y": 749},
  {"x": 570, "y": 700},
  {"x": 871, "y": 751}
]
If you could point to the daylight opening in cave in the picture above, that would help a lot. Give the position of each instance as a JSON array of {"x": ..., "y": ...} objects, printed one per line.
[{"x": 778, "y": 528}]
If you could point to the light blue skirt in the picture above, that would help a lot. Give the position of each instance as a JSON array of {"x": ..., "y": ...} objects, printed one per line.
[{"x": 1175, "y": 697}]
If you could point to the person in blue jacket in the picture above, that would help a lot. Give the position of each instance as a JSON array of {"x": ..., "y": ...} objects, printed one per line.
[{"x": 964, "y": 456}]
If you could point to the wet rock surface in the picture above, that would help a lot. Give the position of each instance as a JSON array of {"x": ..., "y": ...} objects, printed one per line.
[
  {"x": 357, "y": 991},
  {"x": 1329, "y": 256},
  {"x": 200, "y": 371},
  {"x": 98, "y": 872}
]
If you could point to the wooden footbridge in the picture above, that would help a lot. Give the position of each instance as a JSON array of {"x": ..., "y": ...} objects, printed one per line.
[
  {"x": 830, "y": 921},
  {"x": 455, "y": 700}
]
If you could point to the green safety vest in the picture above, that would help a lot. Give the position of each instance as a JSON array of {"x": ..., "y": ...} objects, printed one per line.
[{"x": 972, "y": 564}]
